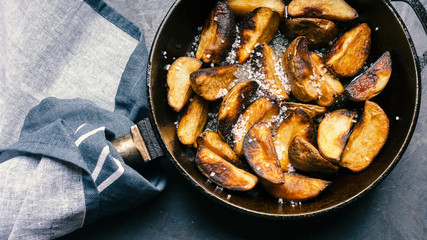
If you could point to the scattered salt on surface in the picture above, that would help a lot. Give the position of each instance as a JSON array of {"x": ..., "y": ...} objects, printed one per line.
[
  {"x": 212, "y": 174},
  {"x": 228, "y": 197},
  {"x": 280, "y": 201},
  {"x": 280, "y": 149},
  {"x": 397, "y": 118},
  {"x": 291, "y": 168},
  {"x": 221, "y": 93}
]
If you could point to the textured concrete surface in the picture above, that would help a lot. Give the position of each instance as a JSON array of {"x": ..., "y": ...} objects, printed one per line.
[{"x": 396, "y": 209}]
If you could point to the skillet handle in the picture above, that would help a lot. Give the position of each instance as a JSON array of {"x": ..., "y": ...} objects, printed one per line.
[
  {"x": 419, "y": 10},
  {"x": 140, "y": 145}
]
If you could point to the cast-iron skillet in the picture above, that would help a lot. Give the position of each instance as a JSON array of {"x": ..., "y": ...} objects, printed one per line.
[{"x": 400, "y": 100}]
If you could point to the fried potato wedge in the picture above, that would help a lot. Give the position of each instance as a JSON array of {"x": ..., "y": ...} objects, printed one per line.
[
  {"x": 333, "y": 133},
  {"x": 318, "y": 31},
  {"x": 264, "y": 61},
  {"x": 214, "y": 142},
  {"x": 305, "y": 157},
  {"x": 243, "y": 7},
  {"x": 213, "y": 83},
  {"x": 298, "y": 123},
  {"x": 298, "y": 68},
  {"x": 178, "y": 81},
  {"x": 222, "y": 172},
  {"x": 329, "y": 87},
  {"x": 218, "y": 35},
  {"x": 193, "y": 120},
  {"x": 348, "y": 54},
  {"x": 258, "y": 26},
  {"x": 372, "y": 81},
  {"x": 252, "y": 114},
  {"x": 232, "y": 106},
  {"x": 272, "y": 117},
  {"x": 335, "y": 10},
  {"x": 258, "y": 148},
  {"x": 310, "y": 109},
  {"x": 368, "y": 137},
  {"x": 297, "y": 187}
]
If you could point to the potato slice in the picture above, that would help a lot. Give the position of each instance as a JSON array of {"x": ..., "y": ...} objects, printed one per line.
[
  {"x": 253, "y": 114},
  {"x": 231, "y": 107},
  {"x": 368, "y": 137},
  {"x": 318, "y": 31},
  {"x": 258, "y": 26},
  {"x": 178, "y": 81},
  {"x": 298, "y": 68},
  {"x": 193, "y": 119},
  {"x": 311, "y": 110},
  {"x": 305, "y": 157},
  {"x": 213, "y": 83},
  {"x": 333, "y": 133},
  {"x": 372, "y": 81},
  {"x": 218, "y": 35},
  {"x": 214, "y": 142},
  {"x": 298, "y": 123},
  {"x": 264, "y": 61},
  {"x": 336, "y": 10},
  {"x": 330, "y": 88},
  {"x": 223, "y": 173},
  {"x": 297, "y": 187},
  {"x": 242, "y": 7},
  {"x": 258, "y": 148},
  {"x": 348, "y": 54}
]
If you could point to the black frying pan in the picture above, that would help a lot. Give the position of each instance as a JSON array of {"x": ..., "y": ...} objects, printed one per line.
[{"x": 401, "y": 98}]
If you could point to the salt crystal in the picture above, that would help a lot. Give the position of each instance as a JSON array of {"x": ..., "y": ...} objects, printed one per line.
[
  {"x": 228, "y": 197},
  {"x": 291, "y": 168},
  {"x": 376, "y": 29},
  {"x": 280, "y": 201},
  {"x": 397, "y": 118},
  {"x": 212, "y": 174}
]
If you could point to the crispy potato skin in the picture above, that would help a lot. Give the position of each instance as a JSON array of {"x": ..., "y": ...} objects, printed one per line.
[
  {"x": 258, "y": 26},
  {"x": 259, "y": 151},
  {"x": 232, "y": 106},
  {"x": 193, "y": 119},
  {"x": 243, "y": 7},
  {"x": 305, "y": 157},
  {"x": 214, "y": 142},
  {"x": 310, "y": 109},
  {"x": 297, "y": 187},
  {"x": 368, "y": 137},
  {"x": 178, "y": 81},
  {"x": 372, "y": 81},
  {"x": 253, "y": 114},
  {"x": 222, "y": 172},
  {"x": 336, "y": 10},
  {"x": 348, "y": 54},
  {"x": 263, "y": 61},
  {"x": 218, "y": 35},
  {"x": 318, "y": 31},
  {"x": 208, "y": 82},
  {"x": 333, "y": 133},
  {"x": 298, "y": 123}
]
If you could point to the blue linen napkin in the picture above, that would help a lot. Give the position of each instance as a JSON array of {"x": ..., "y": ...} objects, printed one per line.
[{"x": 63, "y": 172}]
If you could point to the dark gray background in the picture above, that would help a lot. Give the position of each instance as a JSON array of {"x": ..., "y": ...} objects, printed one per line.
[{"x": 396, "y": 209}]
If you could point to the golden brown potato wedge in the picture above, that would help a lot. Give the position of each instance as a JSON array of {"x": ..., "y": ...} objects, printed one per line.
[
  {"x": 336, "y": 10},
  {"x": 333, "y": 133},
  {"x": 193, "y": 119},
  {"x": 272, "y": 117},
  {"x": 298, "y": 123},
  {"x": 213, "y": 83},
  {"x": 214, "y": 142},
  {"x": 243, "y": 7},
  {"x": 368, "y": 137},
  {"x": 263, "y": 60},
  {"x": 258, "y": 148},
  {"x": 231, "y": 107},
  {"x": 223, "y": 173},
  {"x": 305, "y": 157},
  {"x": 299, "y": 70},
  {"x": 178, "y": 81},
  {"x": 311, "y": 110},
  {"x": 297, "y": 187},
  {"x": 329, "y": 87},
  {"x": 258, "y": 26},
  {"x": 318, "y": 31},
  {"x": 253, "y": 114},
  {"x": 348, "y": 54},
  {"x": 372, "y": 81},
  {"x": 218, "y": 35}
]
